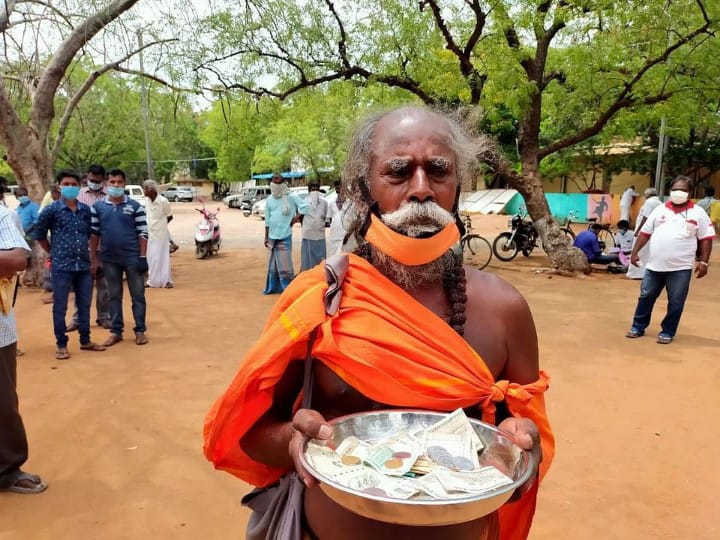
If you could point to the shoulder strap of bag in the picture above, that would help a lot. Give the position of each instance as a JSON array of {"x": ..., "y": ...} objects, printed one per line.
[{"x": 308, "y": 377}]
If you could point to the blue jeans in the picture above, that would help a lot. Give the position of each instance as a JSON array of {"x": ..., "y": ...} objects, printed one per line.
[
  {"x": 677, "y": 284},
  {"x": 136, "y": 286},
  {"x": 64, "y": 281}
]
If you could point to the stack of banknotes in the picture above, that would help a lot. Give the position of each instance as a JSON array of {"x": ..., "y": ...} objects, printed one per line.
[{"x": 444, "y": 461}]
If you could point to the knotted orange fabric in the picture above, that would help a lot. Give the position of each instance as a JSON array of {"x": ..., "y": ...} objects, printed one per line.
[{"x": 387, "y": 346}]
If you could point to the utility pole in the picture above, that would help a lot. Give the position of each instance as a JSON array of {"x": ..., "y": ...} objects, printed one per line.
[
  {"x": 660, "y": 165},
  {"x": 145, "y": 113}
]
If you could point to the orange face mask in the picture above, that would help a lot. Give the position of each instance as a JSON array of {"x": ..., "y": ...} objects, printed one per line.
[{"x": 411, "y": 251}]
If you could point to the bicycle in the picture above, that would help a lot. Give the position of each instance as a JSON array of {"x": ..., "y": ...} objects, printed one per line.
[
  {"x": 606, "y": 236},
  {"x": 476, "y": 249}
]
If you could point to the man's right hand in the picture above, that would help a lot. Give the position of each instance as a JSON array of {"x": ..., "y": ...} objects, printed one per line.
[
  {"x": 95, "y": 265},
  {"x": 267, "y": 243},
  {"x": 634, "y": 259},
  {"x": 307, "y": 424}
]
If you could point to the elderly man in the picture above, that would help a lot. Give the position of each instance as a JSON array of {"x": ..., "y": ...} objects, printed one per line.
[
  {"x": 13, "y": 439},
  {"x": 652, "y": 201},
  {"x": 119, "y": 227},
  {"x": 313, "y": 249},
  {"x": 67, "y": 221},
  {"x": 93, "y": 192},
  {"x": 412, "y": 328},
  {"x": 281, "y": 212},
  {"x": 159, "y": 214},
  {"x": 673, "y": 231}
]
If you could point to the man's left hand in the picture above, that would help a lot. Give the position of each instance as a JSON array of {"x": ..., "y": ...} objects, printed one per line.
[
  {"x": 142, "y": 265},
  {"x": 701, "y": 270},
  {"x": 525, "y": 434}
]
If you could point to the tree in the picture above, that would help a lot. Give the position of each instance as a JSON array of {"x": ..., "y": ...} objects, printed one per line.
[
  {"x": 554, "y": 63},
  {"x": 27, "y": 136}
]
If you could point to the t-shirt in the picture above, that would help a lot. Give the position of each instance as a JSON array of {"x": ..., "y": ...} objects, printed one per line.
[
  {"x": 627, "y": 197},
  {"x": 674, "y": 233},
  {"x": 277, "y": 223},
  {"x": 588, "y": 243},
  {"x": 313, "y": 225},
  {"x": 157, "y": 213},
  {"x": 120, "y": 227},
  {"x": 624, "y": 240}
]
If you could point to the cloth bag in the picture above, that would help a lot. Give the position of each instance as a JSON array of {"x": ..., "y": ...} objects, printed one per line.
[{"x": 278, "y": 509}]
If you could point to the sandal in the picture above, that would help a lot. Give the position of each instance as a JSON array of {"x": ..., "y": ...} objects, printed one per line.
[
  {"x": 62, "y": 354},
  {"x": 91, "y": 346},
  {"x": 634, "y": 333},
  {"x": 38, "y": 484},
  {"x": 664, "y": 339}
]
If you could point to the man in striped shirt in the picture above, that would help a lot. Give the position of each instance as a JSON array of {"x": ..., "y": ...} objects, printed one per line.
[{"x": 121, "y": 224}]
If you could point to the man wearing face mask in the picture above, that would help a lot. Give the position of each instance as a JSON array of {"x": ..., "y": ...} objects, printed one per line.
[
  {"x": 67, "y": 221},
  {"x": 313, "y": 249},
  {"x": 119, "y": 222},
  {"x": 399, "y": 323},
  {"x": 281, "y": 210},
  {"x": 93, "y": 192},
  {"x": 673, "y": 232},
  {"x": 28, "y": 211}
]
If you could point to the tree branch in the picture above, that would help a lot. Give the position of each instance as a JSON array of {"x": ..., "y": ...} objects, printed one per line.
[
  {"x": 625, "y": 98},
  {"x": 43, "y": 109},
  {"x": 158, "y": 80},
  {"x": 5, "y": 14},
  {"x": 342, "y": 44},
  {"x": 52, "y": 8},
  {"x": 89, "y": 82}
]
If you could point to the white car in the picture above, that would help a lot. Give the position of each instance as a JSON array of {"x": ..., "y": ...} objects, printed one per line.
[{"x": 135, "y": 192}]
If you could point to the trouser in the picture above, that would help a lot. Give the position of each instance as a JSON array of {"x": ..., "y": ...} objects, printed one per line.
[
  {"x": 102, "y": 299},
  {"x": 677, "y": 284},
  {"x": 136, "y": 286},
  {"x": 65, "y": 281},
  {"x": 13, "y": 440},
  {"x": 47, "y": 277},
  {"x": 604, "y": 259}
]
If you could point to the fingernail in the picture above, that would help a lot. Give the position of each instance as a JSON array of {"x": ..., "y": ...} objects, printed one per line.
[{"x": 325, "y": 431}]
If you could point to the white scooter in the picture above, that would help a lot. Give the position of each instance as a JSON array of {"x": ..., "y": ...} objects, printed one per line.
[{"x": 207, "y": 233}]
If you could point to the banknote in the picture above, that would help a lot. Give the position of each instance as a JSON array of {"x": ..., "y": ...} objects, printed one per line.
[
  {"x": 484, "y": 479},
  {"x": 431, "y": 484},
  {"x": 455, "y": 423},
  {"x": 395, "y": 456}
]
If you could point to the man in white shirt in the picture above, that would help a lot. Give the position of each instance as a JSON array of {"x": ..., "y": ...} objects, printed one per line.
[
  {"x": 652, "y": 201},
  {"x": 673, "y": 231},
  {"x": 313, "y": 249},
  {"x": 159, "y": 214},
  {"x": 626, "y": 202}
]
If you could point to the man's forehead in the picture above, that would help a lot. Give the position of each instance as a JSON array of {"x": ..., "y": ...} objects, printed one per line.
[{"x": 400, "y": 128}]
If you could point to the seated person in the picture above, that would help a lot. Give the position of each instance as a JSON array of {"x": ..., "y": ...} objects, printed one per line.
[
  {"x": 588, "y": 243},
  {"x": 624, "y": 238}
]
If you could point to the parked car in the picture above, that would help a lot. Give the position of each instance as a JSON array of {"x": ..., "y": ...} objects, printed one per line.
[
  {"x": 135, "y": 192},
  {"x": 179, "y": 193},
  {"x": 247, "y": 197}
]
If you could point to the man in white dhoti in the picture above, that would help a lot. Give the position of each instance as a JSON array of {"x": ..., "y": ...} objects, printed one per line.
[
  {"x": 626, "y": 201},
  {"x": 159, "y": 214}
]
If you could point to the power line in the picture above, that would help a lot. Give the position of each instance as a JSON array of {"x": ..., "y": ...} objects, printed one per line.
[{"x": 179, "y": 160}]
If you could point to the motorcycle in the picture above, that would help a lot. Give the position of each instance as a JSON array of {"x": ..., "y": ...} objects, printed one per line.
[
  {"x": 246, "y": 207},
  {"x": 207, "y": 233},
  {"x": 522, "y": 237}
]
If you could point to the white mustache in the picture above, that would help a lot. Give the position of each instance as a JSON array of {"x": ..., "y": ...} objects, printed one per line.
[{"x": 416, "y": 219}]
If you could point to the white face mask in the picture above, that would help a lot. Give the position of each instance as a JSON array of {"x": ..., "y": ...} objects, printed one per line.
[
  {"x": 678, "y": 197},
  {"x": 278, "y": 190},
  {"x": 314, "y": 196}
]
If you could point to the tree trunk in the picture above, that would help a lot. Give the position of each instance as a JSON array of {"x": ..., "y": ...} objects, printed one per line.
[
  {"x": 30, "y": 161},
  {"x": 563, "y": 257}
]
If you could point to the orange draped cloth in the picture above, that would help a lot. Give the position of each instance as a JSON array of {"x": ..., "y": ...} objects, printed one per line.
[{"x": 386, "y": 345}]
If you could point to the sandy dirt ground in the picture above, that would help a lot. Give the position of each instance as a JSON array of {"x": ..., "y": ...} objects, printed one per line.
[{"x": 118, "y": 434}]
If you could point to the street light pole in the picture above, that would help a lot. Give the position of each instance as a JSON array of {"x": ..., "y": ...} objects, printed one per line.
[{"x": 660, "y": 166}]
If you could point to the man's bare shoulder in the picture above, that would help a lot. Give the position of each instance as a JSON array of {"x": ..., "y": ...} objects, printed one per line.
[{"x": 489, "y": 289}]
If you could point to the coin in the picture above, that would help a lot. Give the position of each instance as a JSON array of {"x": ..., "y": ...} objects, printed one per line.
[
  {"x": 350, "y": 460},
  {"x": 440, "y": 456},
  {"x": 463, "y": 464},
  {"x": 393, "y": 463},
  {"x": 402, "y": 455}
]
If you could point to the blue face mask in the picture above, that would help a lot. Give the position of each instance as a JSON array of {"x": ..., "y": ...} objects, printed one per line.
[
  {"x": 115, "y": 191},
  {"x": 69, "y": 192},
  {"x": 23, "y": 200}
]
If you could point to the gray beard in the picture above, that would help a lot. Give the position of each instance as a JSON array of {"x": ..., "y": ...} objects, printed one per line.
[{"x": 414, "y": 277}]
